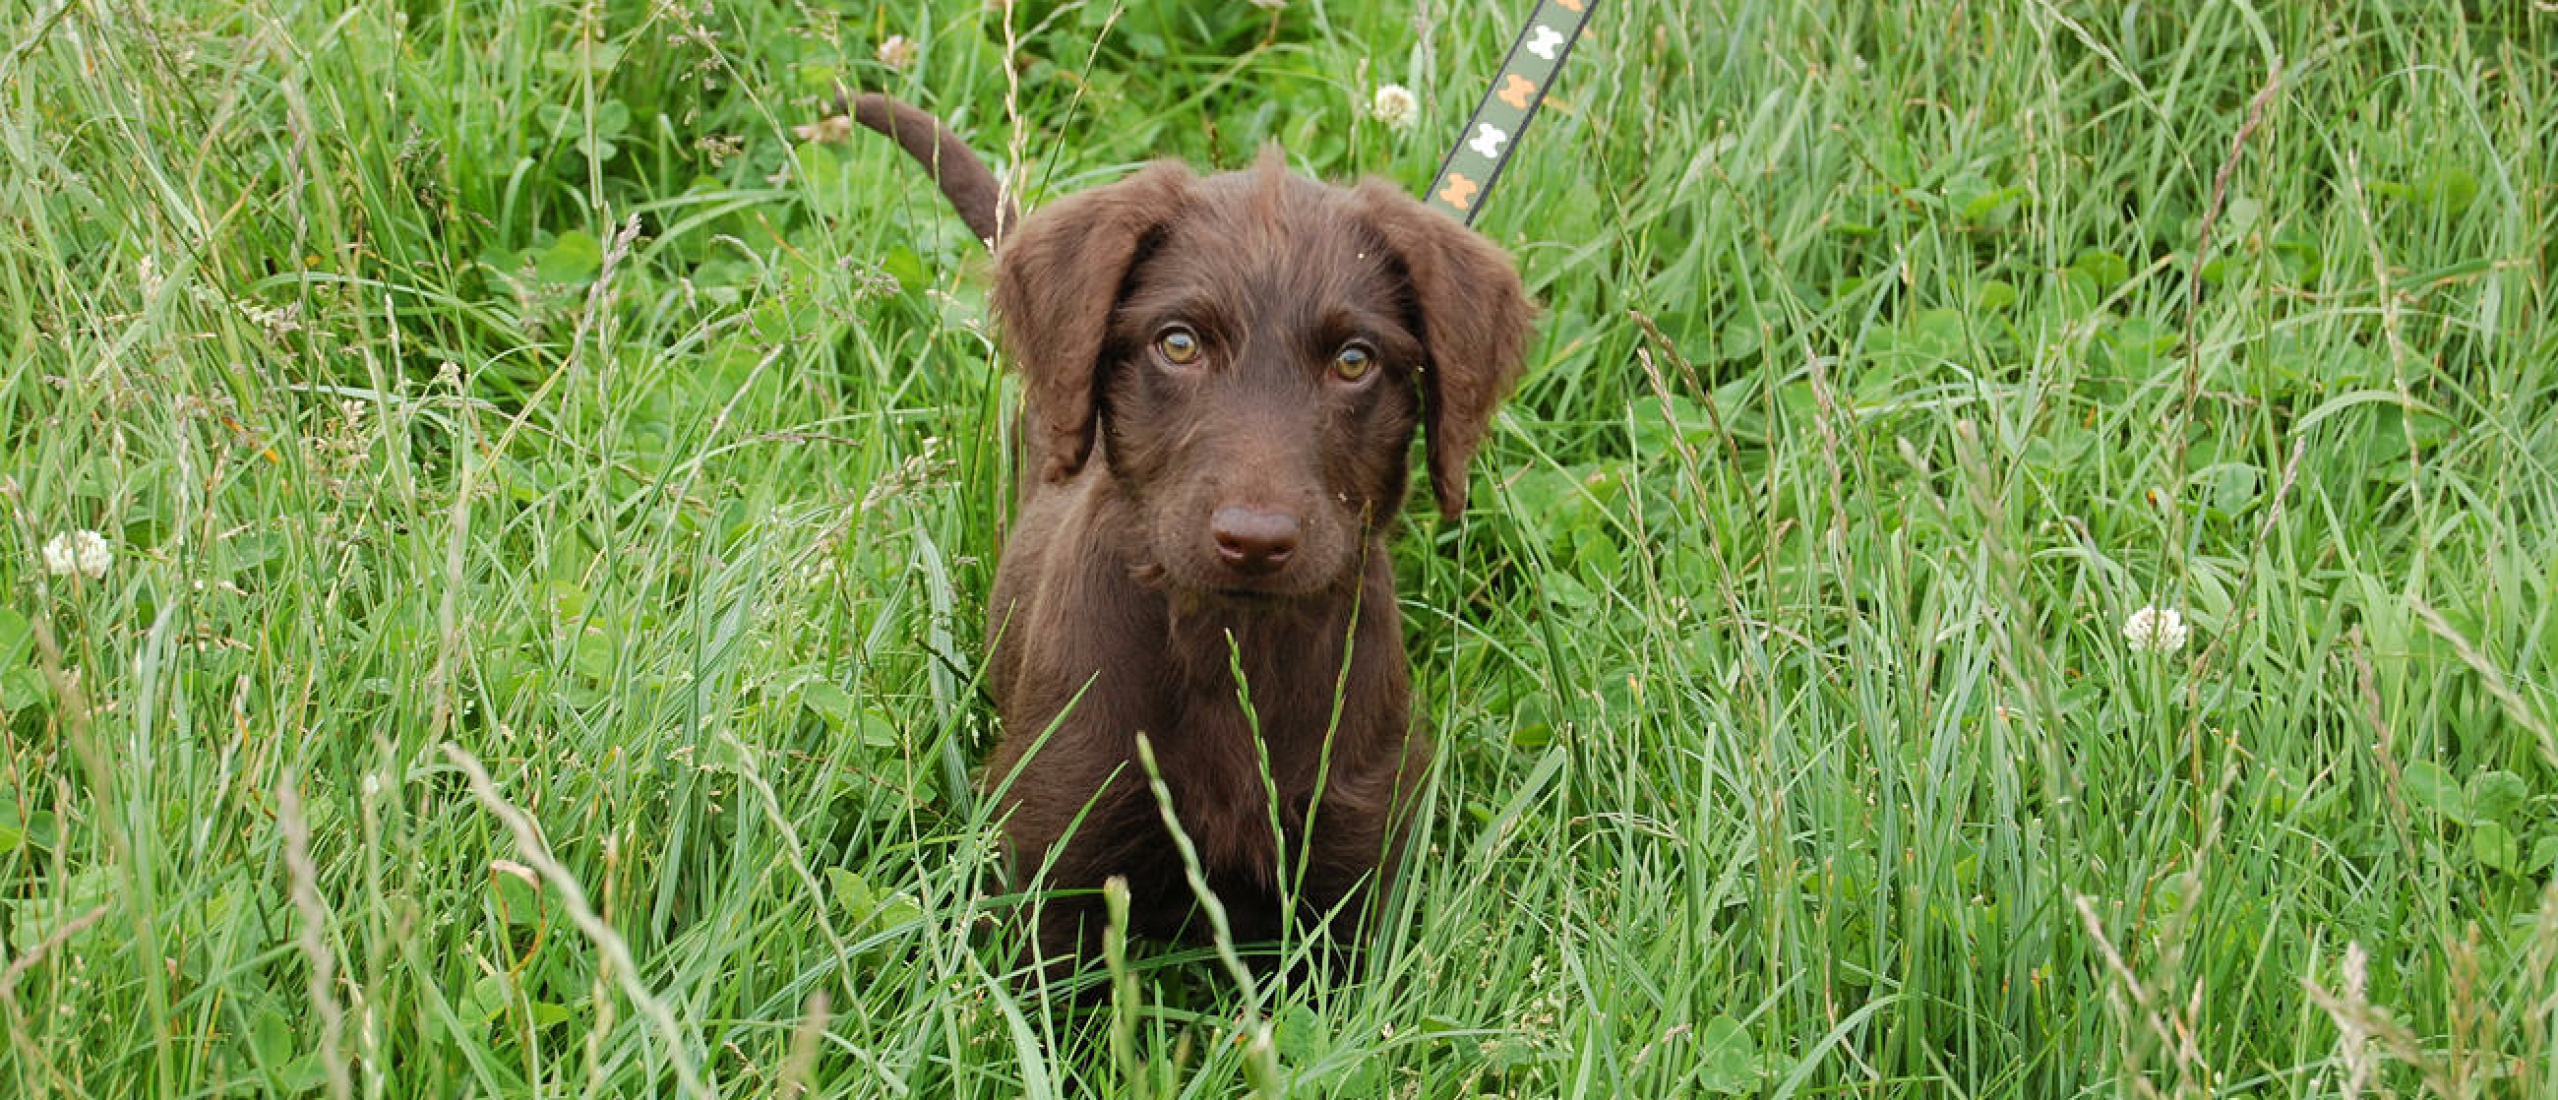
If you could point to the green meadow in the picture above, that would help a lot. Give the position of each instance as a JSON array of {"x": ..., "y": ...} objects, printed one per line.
[{"x": 543, "y": 487}]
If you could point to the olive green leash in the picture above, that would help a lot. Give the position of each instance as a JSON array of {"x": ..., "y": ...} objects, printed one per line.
[{"x": 1474, "y": 165}]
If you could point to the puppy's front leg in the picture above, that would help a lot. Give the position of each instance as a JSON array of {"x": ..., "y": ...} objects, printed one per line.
[{"x": 1065, "y": 865}]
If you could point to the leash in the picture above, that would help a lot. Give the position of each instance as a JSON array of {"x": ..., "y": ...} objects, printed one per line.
[{"x": 1474, "y": 164}]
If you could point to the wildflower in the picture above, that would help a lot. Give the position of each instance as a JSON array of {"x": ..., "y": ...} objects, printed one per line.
[
  {"x": 82, "y": 552},
  {"x": 1396, "y": 106},
  {"x": 279, "y": 322},
  {"x": 829, "y": 129},
  {"x": 720, "y": 148},
  {"x": 897, "y": 52},
  {"x": 2156, "y": 629}
]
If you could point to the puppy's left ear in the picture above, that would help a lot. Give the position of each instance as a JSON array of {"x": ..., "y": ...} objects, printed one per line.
[{"x": 1474, "y": 326}]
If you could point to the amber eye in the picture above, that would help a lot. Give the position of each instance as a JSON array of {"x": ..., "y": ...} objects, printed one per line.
[
  {"x": 1353, "y": 362},
  {"x": 1179, "y": 346}
]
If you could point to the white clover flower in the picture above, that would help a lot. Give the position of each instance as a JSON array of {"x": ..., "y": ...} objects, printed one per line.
[
  {"x": 897, "y": 52},
  {"x": 59, "y": 559},
  {"x": 82, "y": 552},
  {"x": 2156, "y": 629},
  {"x": 1396, "y": 106}
]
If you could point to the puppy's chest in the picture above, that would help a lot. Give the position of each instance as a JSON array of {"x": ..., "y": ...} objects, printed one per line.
[{"x": 1232, "y": 776}]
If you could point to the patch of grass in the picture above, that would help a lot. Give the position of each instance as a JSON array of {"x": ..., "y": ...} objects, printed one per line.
[{"x": 552, "y": 503}]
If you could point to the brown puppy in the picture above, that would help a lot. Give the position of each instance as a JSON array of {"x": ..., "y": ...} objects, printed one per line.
[{"x": 1224, "y": 375}]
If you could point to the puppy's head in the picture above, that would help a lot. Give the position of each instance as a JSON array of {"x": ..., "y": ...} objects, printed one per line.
[{"x": 1252, "y": 352}]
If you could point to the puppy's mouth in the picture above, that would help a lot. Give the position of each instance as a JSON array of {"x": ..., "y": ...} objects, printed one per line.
[
  {"x": 1213, "y": 586},
  {"x": 1267, "y": 590},
  {"x": 1252, "y": 599}
]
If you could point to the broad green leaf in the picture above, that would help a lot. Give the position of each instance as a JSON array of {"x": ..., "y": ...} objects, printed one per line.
[
  {"x": 1727, "y": 1059},
  {"x": 2105, "y": 269},
  {"x": 573, "y": 257},
  {"x": 2431, "y": 787},
  {"x": 516, "y": 894},
  {"x": 16, "y": 637},
  {"x": 1297, "y": 1033},
  {"x": 2493, "y": 846},
  {"x": 2493, "y": 795},
  {"x": 271, "y": 1036},
  {"x": 830, "y": 702},
  {"x": 23, "y": 689}
]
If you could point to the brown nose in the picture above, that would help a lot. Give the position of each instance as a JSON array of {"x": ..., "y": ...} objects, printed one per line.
[{"x": 1253, "y": 541}]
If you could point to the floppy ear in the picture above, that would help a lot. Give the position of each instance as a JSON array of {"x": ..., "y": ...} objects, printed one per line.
[
  {"x": 1057, "y": 278},
  {"x": 1474, "y": 325}
]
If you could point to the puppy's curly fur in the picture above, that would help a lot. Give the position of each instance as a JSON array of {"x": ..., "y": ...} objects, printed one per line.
[{"x": 1224, "y": 375}]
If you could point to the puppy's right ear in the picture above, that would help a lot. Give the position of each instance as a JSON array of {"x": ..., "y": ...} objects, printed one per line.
[
  {"x": 1057, "y": 278},
  {"x": 1474, "y": 321}
]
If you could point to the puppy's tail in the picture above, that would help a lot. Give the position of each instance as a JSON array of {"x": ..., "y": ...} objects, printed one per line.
[{"x": 964, "y": 178}]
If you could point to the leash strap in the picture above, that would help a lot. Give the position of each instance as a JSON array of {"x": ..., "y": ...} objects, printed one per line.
[{"x": 1472, "y": 167}]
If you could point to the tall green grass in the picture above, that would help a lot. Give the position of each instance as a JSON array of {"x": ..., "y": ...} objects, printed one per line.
[{"x": 551, "y": 503}]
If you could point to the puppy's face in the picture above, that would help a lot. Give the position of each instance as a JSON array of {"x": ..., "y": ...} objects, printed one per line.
[
  {"x": 1251, "y": 354},
  {"x": 1257, "y": 392}
]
